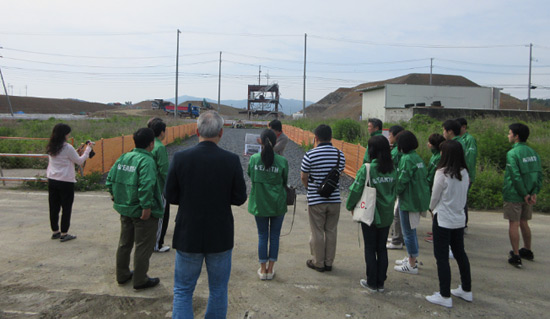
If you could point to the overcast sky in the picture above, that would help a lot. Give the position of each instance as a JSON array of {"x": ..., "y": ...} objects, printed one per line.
[{"x": 117, "y": 51}]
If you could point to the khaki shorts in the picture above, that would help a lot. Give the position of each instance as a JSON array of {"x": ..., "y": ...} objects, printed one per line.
[{"x": 517, "y": 211}]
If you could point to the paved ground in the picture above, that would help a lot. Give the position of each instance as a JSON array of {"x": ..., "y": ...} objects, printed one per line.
[{"x": 43, "y": 278}]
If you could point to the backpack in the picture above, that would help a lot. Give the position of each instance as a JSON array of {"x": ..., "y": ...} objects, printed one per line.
[{"x": 330, "y": 182}]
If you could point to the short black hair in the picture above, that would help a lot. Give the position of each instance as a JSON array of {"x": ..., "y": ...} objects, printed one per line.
[
  {"x": 323, "y": 133},
  {"x": 276, "y": 125},
  {"x": 375, "y": 122},
  {"x": 452, "y": 125},
  {"x": 521, "y": 130},
  {"x": 406, "y": 141},
  {"x": 143, "y": 137},
  {"x": 462, "y": 121},
  {"x": 396, "y": 129},
  {"x": 436, "y": 139},
  {"x": 158, "y": 126}
]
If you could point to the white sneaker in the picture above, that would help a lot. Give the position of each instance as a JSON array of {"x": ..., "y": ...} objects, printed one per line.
[
  {"x": 261, "y": 275},
  {"x": 269, "y": 276},
  {"x": 437, "y": 299},
  {"x": 163, "y": 249},
  {"x": 406, "y": 260},
  {"x": 393, "y": 246},
  {"x": 466, "y": 295},
  {"x": 363, "y": 283},
  {"x": 407, "y": 268}
]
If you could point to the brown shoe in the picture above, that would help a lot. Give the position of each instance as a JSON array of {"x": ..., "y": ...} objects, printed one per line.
[{"x": 310, "y": 264}]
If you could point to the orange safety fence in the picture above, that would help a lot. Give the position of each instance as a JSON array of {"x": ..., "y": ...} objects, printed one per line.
[
  {"x": 353, "y": 152},
  {"x": 107, "y": 151}
]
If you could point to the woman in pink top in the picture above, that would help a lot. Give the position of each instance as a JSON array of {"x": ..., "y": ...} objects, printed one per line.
[{"x": 61, "y": 178}]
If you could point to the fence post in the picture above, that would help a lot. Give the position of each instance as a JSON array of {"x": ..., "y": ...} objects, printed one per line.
[
  {"x": 102, "y": 158},
  {"x": 122, "y": 144}
]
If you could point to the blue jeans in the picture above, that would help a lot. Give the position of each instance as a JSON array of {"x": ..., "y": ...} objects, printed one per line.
[
  {"x": 269, "y": 228},
  {"x": 409, "y": 235},
  {"x": 186, "y": 273}
]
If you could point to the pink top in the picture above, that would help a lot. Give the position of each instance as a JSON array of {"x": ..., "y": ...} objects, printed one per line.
[{"x": 61, "y": 166}]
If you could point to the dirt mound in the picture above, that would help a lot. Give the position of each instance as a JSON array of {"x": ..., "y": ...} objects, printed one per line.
[{"x": 50, "y": 106}]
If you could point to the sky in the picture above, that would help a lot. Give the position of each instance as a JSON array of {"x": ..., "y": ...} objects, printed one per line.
[{"x": 118, "y": 51}]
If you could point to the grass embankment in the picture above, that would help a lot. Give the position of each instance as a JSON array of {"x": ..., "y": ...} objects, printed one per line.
[{"x": 491, "y": 135}]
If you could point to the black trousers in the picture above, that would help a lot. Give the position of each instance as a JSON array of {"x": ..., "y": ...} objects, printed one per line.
[
  {"x": 60, "y": 196},
  {"x": 376, "y": 254},
  {"x": 163, "y": 225},
  {"x": 443, "y": 238}
]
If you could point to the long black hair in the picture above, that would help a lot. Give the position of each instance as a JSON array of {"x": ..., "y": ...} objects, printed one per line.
[
  {"x": 269, "y": 139},
  {"x": 452, "y": 159},
  {"x": 57, "y": 139},
  {"x": 379, "y": 148}
]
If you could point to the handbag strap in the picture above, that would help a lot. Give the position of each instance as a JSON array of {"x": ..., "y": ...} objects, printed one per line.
[
  {"x": 367, "y": 167},
  {"x": 293, "y": 215}
]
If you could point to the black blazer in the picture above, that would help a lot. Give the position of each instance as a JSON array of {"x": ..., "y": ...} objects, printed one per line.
[{"x": 205, "y": 181}]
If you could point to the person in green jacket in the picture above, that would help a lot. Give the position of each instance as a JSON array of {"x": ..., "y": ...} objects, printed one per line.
[
  {"x": 374, "y": 126},
  {"x": 383, "y": 177},
  {"x": 414, "y": 197},
  {"x": 132, "y": 182},
  {"x": 269, "y": 175},
  {"x": 470, "y": 155},
  {"x": 522, "y": 183},
  {"x": 395, "y": 230},
  {"x": 161, "y": 159},
  {"x": 451, "y": 131},
  {"x": 433, "y": 144}
]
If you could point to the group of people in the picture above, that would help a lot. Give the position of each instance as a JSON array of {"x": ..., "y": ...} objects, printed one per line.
[
  {"x": 400, "y": 177},
  {"x": 143, "y": 184}
]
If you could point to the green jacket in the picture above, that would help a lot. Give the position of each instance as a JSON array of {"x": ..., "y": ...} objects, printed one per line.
[
  {"x": 523, "y": 174},
  {"x": 161, "y": 159},
  {"x": 366, "y": 158},
  {"x": 268, "y": 194},
  {"x": 432, "y": 166},
  {"x": 469, "y": 144},
  {"x": 132, "y": 181},
  {"x": 385, "y": 193},
  {"x": 412, "y": 183},
  {"x": 395, "y": 156}
]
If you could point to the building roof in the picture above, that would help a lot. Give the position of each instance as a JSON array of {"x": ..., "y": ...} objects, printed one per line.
[{"x": 419, "y": 79}]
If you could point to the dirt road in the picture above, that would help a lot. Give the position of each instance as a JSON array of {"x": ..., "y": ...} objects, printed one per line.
[{"x": 43, "y": 278}]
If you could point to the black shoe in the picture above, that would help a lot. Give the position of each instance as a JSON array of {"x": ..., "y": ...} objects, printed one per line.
[
  {"x": 56, "y": 235},
  {"x": 514, "y": 260},
  {"x": 310, "y": 264},
  {"x": 67, "y": 238},
  {"x": 328, "y": 268},
  {"x": 151, "y": 282},
  {"x": 122, "y": 282},
  {"x": 526, "y": 254}
]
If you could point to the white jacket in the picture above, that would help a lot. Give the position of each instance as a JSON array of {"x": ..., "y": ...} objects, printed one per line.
[{"x": 449, "y": 198}]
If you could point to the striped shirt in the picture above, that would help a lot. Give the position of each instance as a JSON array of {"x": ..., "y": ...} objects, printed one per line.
[{"x": 317, "y": 163}]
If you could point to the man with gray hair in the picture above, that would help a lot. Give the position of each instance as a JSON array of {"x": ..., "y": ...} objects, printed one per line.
[{"x": 204, "y": 181}]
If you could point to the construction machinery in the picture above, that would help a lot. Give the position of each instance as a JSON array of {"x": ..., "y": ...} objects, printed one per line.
[{"x": 189, "y": 111}]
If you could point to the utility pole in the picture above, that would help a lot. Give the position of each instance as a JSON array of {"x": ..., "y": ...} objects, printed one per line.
[
  {"x": 259, "y": 75},
  {"x": 529, "y": 87},
  {"x": 305, "y": 54},
  {"x": 6, "y": 90},
  {"x": 431, "y": 67},
  {"x": 219, "y": 81},
  {"x": 177, "y": 71}
]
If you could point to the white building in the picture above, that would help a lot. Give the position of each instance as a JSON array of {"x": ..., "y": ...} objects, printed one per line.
[{"x": 378, "y": 100}]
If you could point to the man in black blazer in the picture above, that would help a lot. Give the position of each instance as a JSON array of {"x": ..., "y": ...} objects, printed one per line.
[{"x": 204, "y": 181}]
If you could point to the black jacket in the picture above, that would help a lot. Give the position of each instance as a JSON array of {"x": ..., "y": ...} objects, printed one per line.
[{"x": 205, "y": 181}]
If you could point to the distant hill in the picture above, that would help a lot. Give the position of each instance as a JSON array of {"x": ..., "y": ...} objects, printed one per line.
[
  {"x": 347, "y": 102},
  {"x": 50, "y": 106},
  {"x": 287, "y": 106}
]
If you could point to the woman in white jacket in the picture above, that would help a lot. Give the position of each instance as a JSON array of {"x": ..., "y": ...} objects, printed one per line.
[
  {"x": 61, "y": 179},
  {"x": 449, "y": 193}
]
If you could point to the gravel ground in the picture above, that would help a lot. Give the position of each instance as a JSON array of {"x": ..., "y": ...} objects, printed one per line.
[{"x": 233, "y": 141}]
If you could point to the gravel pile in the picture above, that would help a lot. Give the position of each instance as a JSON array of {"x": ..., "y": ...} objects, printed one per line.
[{"x": 233, "y": 141}]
